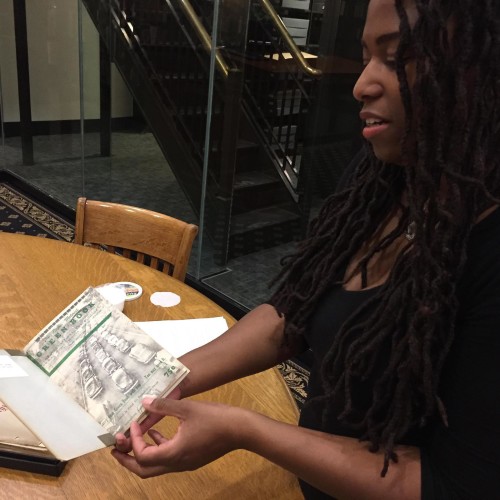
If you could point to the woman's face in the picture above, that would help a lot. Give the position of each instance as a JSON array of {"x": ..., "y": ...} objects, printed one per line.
[{"x": 377, "y": 88}]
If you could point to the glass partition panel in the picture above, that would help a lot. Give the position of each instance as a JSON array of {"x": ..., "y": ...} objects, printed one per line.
[
  {"x": 290, "y": 128},
  {"x": 122, "y": 158},
  {"x": 39, "y": 59},
  {"x": 136, "y": 119}
]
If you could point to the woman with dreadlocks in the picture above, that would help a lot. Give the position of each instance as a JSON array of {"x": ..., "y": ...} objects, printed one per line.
[{"x": 396, "y": 290}]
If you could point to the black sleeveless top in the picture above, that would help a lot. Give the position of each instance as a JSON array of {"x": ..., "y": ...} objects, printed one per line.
[{"x": 463, "y": 460}]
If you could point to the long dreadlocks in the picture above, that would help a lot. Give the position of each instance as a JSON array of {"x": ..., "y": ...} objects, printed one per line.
[{"x": 452, "y": 138}]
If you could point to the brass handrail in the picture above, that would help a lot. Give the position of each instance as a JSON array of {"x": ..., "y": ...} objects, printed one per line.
[
  {"x": 292, "y": 46},
  {"x": 203, "y": 35},
  {"x": 276, "y": 19}
]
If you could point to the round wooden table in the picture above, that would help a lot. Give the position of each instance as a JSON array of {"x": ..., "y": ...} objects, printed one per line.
[{"x": 39, "y": 279}]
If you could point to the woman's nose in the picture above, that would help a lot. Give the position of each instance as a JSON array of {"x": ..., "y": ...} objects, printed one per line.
[{"x": 367, "y": 87}]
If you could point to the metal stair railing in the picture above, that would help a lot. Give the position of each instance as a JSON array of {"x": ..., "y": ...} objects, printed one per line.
[
  {"x": 204, "y": 37},
  {"x": 279, "y": 137},
  {"x": 277, "y": 21},
  {"x": 278, "y": 89},
  {"x": 292, "y": 46}
]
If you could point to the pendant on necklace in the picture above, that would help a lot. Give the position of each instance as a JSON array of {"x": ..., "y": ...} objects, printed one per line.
[{"x": 411, "y": 230}]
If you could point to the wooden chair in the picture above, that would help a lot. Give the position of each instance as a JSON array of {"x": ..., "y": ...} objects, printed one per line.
[{"x": 154, "y": 239}]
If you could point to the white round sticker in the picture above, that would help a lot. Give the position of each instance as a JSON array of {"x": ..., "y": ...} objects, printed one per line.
[{"x": 165, "y": 299}]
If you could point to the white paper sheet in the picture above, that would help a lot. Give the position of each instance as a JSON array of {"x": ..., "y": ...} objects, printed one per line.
[
  {"x": 9, "y": 368},
  {"x": 184, "y": 335}
]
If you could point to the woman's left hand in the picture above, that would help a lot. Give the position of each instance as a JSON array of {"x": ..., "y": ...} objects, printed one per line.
[{"x": 206, "y": 432}]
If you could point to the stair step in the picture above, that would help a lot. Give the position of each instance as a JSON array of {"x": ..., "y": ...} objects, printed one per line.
[
  {"x": 261, "y": 229},
  {"x": 152, "y": 43},
  {"x": 241, "y": 145},
  {"x": 186, "y": 77},
  {"x": 257, "y": 190},
  {"x": 246, "y": 151},
  {"x": 198, "y": 111},
  {"x": 261, "y": 218},
  {"x": 253, "y": 179}
]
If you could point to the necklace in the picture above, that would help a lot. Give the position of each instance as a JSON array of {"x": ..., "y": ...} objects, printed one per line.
[{"x": 411, "y": 231}]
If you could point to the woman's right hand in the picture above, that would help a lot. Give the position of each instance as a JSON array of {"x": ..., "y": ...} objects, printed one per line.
[
  {"x": 206, "y": 432},
  {"x": 123, "y": 442}
]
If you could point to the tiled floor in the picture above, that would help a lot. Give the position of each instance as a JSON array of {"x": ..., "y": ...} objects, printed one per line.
[{"x": 137, "y": 174}]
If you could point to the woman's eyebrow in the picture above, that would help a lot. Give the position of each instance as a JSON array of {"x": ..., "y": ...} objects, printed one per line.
[{"x": 385, "y": 38}]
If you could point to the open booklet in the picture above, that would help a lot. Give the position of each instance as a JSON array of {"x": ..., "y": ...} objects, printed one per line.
[{"x": 80, "y": 381}]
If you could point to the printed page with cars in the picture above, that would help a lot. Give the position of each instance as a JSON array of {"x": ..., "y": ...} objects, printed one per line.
[{"x": 85, "y": 373}]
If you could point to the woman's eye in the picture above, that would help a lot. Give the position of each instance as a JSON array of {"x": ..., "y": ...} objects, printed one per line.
[{"x": 390, "y": 63}]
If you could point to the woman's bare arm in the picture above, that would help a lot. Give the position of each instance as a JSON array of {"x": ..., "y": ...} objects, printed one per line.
[
  {"x": 340, "y": 466},
  {"x": 252, "y": 345}
]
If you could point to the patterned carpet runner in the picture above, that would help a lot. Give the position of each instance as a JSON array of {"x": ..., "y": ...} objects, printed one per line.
[{"x": 19, "y": 214}]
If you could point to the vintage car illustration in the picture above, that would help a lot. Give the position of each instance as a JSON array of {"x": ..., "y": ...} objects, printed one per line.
[
  {"x": 123, "y": 380},
  {"x": 142, "y": 353}
]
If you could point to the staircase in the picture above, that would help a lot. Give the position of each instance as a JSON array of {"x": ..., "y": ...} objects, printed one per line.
[{"x": 253, "y": 197}]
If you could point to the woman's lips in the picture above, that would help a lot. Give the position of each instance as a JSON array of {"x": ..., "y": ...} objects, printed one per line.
[{"x": 371, "y": 130}]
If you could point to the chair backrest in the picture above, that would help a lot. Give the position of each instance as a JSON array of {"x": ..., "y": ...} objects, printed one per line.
[{"x": 154, "y": 239}]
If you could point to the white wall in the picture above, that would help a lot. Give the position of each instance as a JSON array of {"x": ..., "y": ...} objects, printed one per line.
[{"x": 54, "y": 63}]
